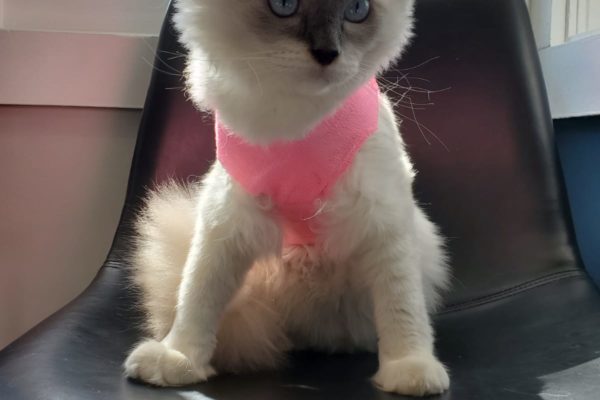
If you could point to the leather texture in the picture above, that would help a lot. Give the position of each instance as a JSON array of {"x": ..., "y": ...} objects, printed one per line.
[{"x": 522, "y": 320}]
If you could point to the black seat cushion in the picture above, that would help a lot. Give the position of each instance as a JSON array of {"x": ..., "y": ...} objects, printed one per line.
[{"x": 540, "y": 344}]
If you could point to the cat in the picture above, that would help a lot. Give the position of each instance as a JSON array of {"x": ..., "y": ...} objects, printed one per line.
[{"x": 222, "y": 287}]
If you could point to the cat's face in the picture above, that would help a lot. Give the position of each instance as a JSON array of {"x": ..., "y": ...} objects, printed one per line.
[{"x": 309, "y": 46}]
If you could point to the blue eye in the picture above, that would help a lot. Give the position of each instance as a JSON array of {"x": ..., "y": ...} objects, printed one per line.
[
  {"x": 357, "y": 11},
  {"x": 284, "y": 8}
]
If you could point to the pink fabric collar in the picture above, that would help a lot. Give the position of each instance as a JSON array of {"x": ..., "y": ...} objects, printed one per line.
[{"x": 298, "y": 175}]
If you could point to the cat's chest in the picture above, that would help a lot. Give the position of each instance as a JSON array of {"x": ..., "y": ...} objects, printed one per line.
[
  {"x": 298, "y": 176},
  {"x": 298, "y": 186}
]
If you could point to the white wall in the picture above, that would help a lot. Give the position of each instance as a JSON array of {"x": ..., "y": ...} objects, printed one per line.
[
  {"x": 134, "y": 17},
  {"x": 85, "y": 53},
  {"x": 63, "y": 174},
  {"x": 63, "y": 170}
]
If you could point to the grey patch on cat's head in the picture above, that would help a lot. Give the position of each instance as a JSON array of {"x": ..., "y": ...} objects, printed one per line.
[
  {"x": 320, "y": 24},
  {"x": 280, "y": 51}
]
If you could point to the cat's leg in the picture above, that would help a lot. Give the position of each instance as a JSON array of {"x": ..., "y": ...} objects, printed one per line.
[
  {"x": 251, "y": 334},
  {"x": 231, "y": 232},
  {"x": 407, "y": 364}
]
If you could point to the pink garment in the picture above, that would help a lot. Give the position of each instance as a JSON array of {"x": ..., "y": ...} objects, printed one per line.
[{"x": 298, "y": 175}]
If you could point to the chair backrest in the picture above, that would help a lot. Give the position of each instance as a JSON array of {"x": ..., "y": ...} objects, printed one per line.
[{"x": 477, "y": 125}]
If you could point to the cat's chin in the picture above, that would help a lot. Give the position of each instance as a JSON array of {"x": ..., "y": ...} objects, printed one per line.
[
  {"x": 317, "y": 87},
  {"x": 325, "y": 83}
]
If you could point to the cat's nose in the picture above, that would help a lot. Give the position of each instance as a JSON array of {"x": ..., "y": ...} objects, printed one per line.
[{"x": 325, "y": 56}]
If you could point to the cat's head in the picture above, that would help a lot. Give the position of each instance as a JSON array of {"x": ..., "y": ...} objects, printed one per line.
[{"x": 302, "y": 46}]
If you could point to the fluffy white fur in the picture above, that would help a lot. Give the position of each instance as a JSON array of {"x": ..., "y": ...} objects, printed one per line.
[{"x": 220, "y": 293}]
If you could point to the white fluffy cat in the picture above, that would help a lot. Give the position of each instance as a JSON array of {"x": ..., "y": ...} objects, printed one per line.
[{"x": 218, "y": 289}]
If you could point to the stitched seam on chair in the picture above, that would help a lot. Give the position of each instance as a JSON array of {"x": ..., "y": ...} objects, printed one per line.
[
  {"x": 511, "y": 291},
  {"x": 112, "y": 264}
]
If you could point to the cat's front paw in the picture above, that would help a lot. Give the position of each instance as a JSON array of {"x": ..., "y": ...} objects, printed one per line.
[
  {"x": 415, "y": 375},
  {"x": 155, "y": 363}
]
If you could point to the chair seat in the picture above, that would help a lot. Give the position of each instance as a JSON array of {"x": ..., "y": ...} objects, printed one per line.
[{"x": 541, "y": 340}]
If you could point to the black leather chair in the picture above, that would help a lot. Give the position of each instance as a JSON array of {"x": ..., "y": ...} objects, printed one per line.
[{"x": 523, "y": 319}]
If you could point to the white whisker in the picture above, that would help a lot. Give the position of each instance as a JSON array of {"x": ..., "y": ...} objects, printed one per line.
[{"x": 262, "y": 92}]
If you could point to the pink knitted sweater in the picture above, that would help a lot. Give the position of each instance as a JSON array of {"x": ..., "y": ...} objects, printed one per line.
[{"x": 298, "y": 175}]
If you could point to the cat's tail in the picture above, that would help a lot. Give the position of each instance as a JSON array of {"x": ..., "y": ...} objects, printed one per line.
[{"x": 164, "y": 232}]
